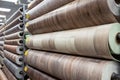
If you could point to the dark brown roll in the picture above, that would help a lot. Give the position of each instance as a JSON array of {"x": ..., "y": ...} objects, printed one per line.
[
  {"x": 14, "y": 42},
  {"x": 84, "y": 41},
  {"x": 16, "y": 21},
  {"x": 45, "y": 7},
  {"x": 17, "y": 28},
  {"x": 17, "y": 59},
  {"x": 8, "y": 74},
  {"x": 14, "y": 49},
  {"x": 77, "y": 14},
  {"x": 17, "y": 35},
  {"x": 37, "y": 75},
  {"x": 34, "y": 3},
  {"x": 67, "y": 67},
  {"x": 16, "y": 14},
  {"x": 2, "y": 75}
]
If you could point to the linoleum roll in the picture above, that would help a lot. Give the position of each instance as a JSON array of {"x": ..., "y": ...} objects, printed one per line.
[
  {"x": 8, "y": 74},
  {"x": 15, "y": 70},
  {"x": 1, "y": 43},
  {"x": 84, "y": 41},
  {"x": 14, "y": 42},
  {"x": 33, "y": 4},
  {"x": 67, "y": 67},
  {"x": 1, "y": 48},
  {"x": 16, "y": 21},
  {"x": 2, "y": 53},
  {"x": 44, "y": 7},
  {"x": 78, "y": 14},
  {"x": 2, "y": 76},
  {"x": 1, "y": 61},
  {"x": 17, "y": 59},
  {"x": 17, "y": 28},
  {"x": 1, "y": 34},
  {"x": 17, "y": 35},
  {"x": 37, "y": 75},
  {"x": 2, "y": 38},
  {"x": 14, "y": 49},
  {"x": 16, "y": 14}
]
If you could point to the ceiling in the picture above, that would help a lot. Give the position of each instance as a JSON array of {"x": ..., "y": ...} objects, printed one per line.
[{"x": 7, "y": 8}]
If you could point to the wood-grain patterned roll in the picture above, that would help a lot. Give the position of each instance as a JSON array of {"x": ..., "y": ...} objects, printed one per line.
[
  {"x": 2, "y": 75},
  {"x": 17, "y": 59},
  {"x": 16, "y": 14},
  {"x": 67, "y": 67},
  {"x": 15, "y": 70},
  {"x": 17, "y": 28},
  {"x": 17, "y": 35},
  {"x": 45, "y": 7},
  {"x": 84, "y": 41},
  {"x": 37, "y": 75},
  {"x": 78, "y": 14},
  {"x": 14, "y": 49},
  {"x": 16, "y": 21},
  {"x": 14, "y": 42},
  {"x": 33, "y": 4},
  {"x": 8, "y": 74}
]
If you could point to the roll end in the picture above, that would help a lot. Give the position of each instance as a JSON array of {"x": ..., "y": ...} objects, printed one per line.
[
  {"x": 26, "y": 53},
  {"x": 27, "y": 24},
  {"x": 25, "y": 68},
  {"x": 115, "y": 76},
  {"x": 118, "y": 38},
  {"x": 27, "y": 16}
]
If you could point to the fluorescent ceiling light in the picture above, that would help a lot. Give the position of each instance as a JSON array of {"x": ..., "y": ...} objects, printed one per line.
[
  {"x": 1, "y": 20},
  {"x": 14, "y": 1},
  {"x": 5, "y": 9},
  {"x": 3, "y": 16},
  {"x": 1, "y": 23}
]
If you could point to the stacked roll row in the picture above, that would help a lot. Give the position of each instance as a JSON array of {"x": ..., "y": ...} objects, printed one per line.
[
  {"x": 13, "y": 47},
  {"x": 73, "y": 40}
]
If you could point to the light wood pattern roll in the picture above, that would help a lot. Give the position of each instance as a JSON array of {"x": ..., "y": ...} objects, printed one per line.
[
  {"x": 16, "y": 14},
  {"x": 17, "y": 59},
  {"x": 37, "y": 75},
  {"x": 33, "y": 4},
  {"x": 78, "y": 14},
  {"x": 14, "y": 49},
  {"x": 45, "y": 7},
  {"x": 17, "y": 28},
  {"x": 14, "y": 42},
  {"x": 84, "y": 41},
  {"x": 14, "y": 69},
  {"x": 17, "y": 35},
  {"x": 2, "y": 75},
  {"x": 16, "y": 21},
  {"x": 8, "y": 74},
  {"x": 67, "y": 67}
]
